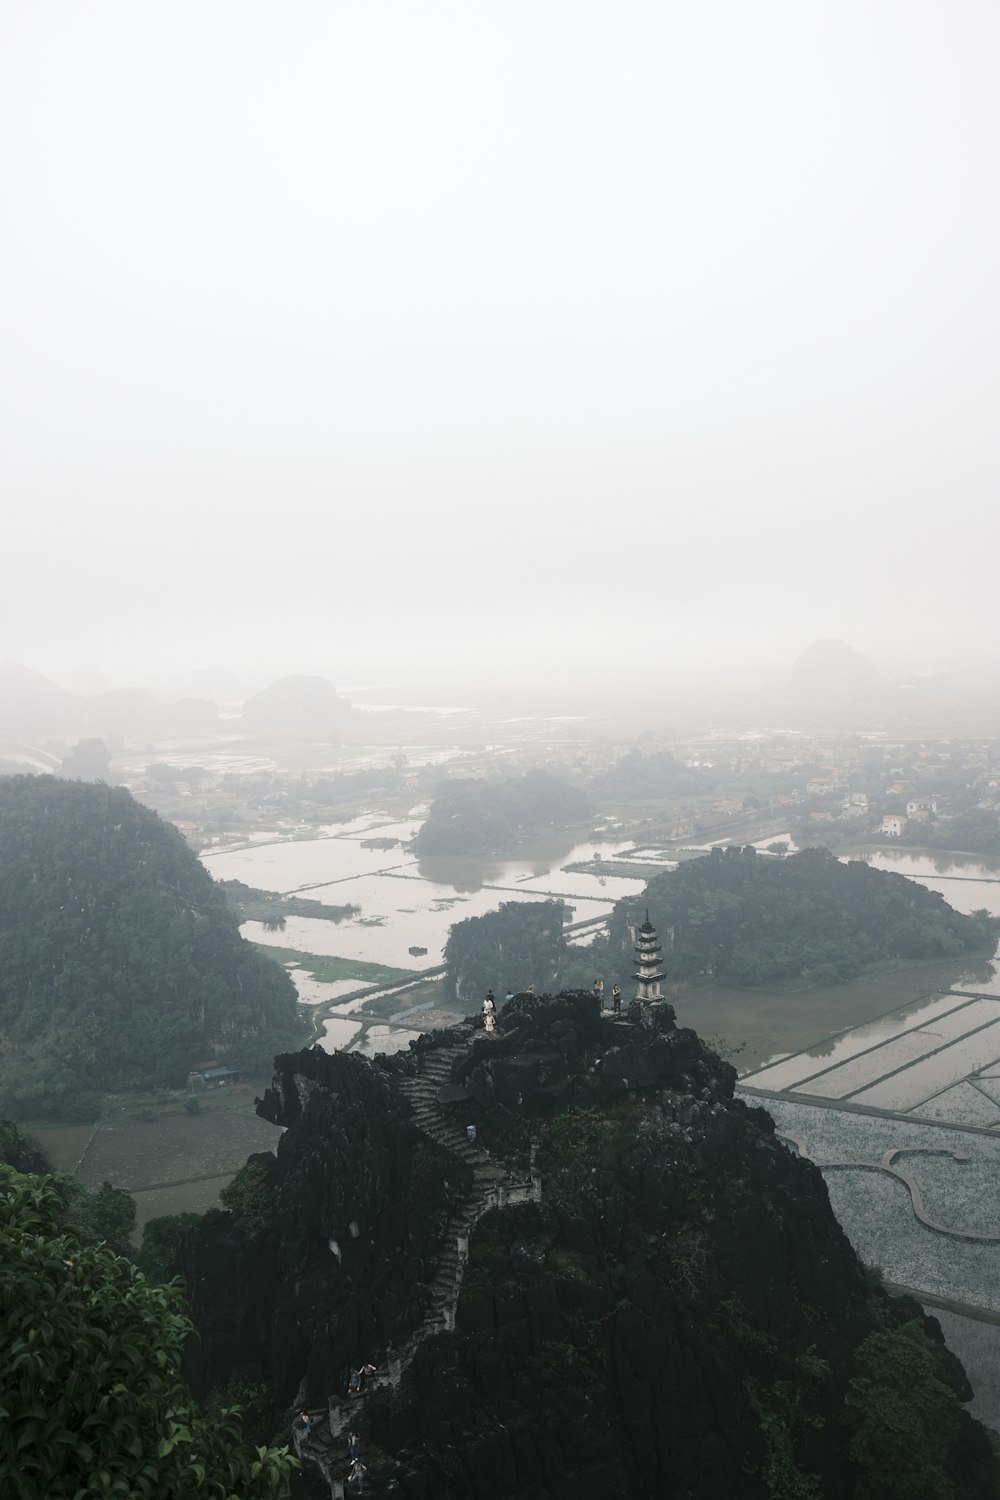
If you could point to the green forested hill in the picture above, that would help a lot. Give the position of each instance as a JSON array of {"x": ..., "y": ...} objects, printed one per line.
[
  {"x": 120, "y": 962},
  {"x": 752, "y": 919}
]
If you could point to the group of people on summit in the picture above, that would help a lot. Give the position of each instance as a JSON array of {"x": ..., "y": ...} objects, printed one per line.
[{"x": 490, "y": 1004}]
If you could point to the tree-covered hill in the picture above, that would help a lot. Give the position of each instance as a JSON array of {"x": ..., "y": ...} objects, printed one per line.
[
  {"x": 675, "y": 1312},
  {"x": 520, "y": 943},
  {"x": 478, "y": 817},
  {"x": 754, "y": 920},
  {"x": 121, "y": 964}
]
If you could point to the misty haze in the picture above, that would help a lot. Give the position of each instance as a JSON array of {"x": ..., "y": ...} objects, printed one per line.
[{"x": 500, "y": 751}]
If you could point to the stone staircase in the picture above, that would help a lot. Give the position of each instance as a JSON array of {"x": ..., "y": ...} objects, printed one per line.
[{"x": 492, "y": 1187}]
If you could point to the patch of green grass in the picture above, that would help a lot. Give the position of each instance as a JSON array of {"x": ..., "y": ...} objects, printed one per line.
[
  {"x": 328, "y": 968},
  {"x": 430, "y": 993}
]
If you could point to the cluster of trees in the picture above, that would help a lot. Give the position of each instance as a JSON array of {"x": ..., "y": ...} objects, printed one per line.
[
  {"x": 976, "y": 831},
  {"x": 753, "y": 921},
  {"x": 272, "y": 908},
  {"x": 120, "y": 962},
  {"x": 478, "y": 817}
]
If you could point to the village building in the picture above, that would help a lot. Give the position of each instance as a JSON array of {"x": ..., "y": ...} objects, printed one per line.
[{"x": 924, "y": 806}]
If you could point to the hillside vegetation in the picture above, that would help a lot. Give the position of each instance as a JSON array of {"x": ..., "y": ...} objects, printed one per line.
[
  {"x": 121, "y": 964},
  {"x": 675, "y": 1313},
  {"x": 754, "y": 920},
  {"x": 521, "y": 943}
]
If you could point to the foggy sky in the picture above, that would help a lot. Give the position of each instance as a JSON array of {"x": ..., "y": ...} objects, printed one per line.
[{"x": 338, "y": 333}]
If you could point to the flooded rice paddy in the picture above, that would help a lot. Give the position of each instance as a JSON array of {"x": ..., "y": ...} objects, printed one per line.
[{"x": 404, "y": 902}]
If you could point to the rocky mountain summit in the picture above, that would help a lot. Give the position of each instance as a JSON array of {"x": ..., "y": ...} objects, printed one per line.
[{"x": 621, "y": 1282}]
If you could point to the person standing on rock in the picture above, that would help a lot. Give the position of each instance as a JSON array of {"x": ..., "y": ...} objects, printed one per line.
[
  {"x": 354, "y": 1445},
  {"x": 509, "y": 995},
  {"x": 357, "y": 1475},
  {"x": 616, "y": 999},
  {"x": 491, "y": 1023},
  {"x": 599, "y": 992}
]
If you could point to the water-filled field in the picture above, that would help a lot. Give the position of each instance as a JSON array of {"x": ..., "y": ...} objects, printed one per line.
[
  {"x": 835, "y": 1050},
  {"x": 939, "y": 1060}
]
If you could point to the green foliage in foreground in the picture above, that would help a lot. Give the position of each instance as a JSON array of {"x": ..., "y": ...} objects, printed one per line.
[
  {"x": 91, "y": 1398},
  {"x": 751, "y": 920}
]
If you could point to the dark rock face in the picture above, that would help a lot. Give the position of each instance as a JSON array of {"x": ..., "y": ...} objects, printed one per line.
[
  {"x": 342, "y": 1259},
  {"x": 677, "y": 1313}
]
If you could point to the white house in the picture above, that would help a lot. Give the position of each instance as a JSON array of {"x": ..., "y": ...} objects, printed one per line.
[{"x": 893, "y": 825}]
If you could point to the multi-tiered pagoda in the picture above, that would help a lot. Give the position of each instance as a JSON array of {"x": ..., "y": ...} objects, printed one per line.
[{"x": 648, "y": 972}]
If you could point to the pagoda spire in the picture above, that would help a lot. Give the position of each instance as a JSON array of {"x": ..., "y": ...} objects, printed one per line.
[{"x": 648, "y": 975}]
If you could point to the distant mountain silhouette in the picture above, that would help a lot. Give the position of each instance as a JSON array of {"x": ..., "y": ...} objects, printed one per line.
[
  {"x": 30, "y": 701},
  {"x": 217, "y": 683},
  {"x": 296, "y": 702},
  {"x": 134, "y": 710},
  {"x": 831, "y": 672},
  {"x": 31, "y": 704}
]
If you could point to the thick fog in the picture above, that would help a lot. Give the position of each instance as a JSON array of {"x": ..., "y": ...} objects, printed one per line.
[{"x": 524, "y": 337}]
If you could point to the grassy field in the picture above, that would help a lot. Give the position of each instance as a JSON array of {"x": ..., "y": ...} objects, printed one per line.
[
  {"x": 749, "y": 1026},
  {"x": 172, "y": 1161},
  {"x": 432, "y": 992},
  {"x": 328, "y": 969}
]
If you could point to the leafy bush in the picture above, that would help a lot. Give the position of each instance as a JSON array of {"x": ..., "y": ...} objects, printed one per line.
[{"x": 93, "y": 1402}]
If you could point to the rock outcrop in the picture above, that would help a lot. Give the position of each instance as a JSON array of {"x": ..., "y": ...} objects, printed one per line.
[{"x": 624, "y": 1284}]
